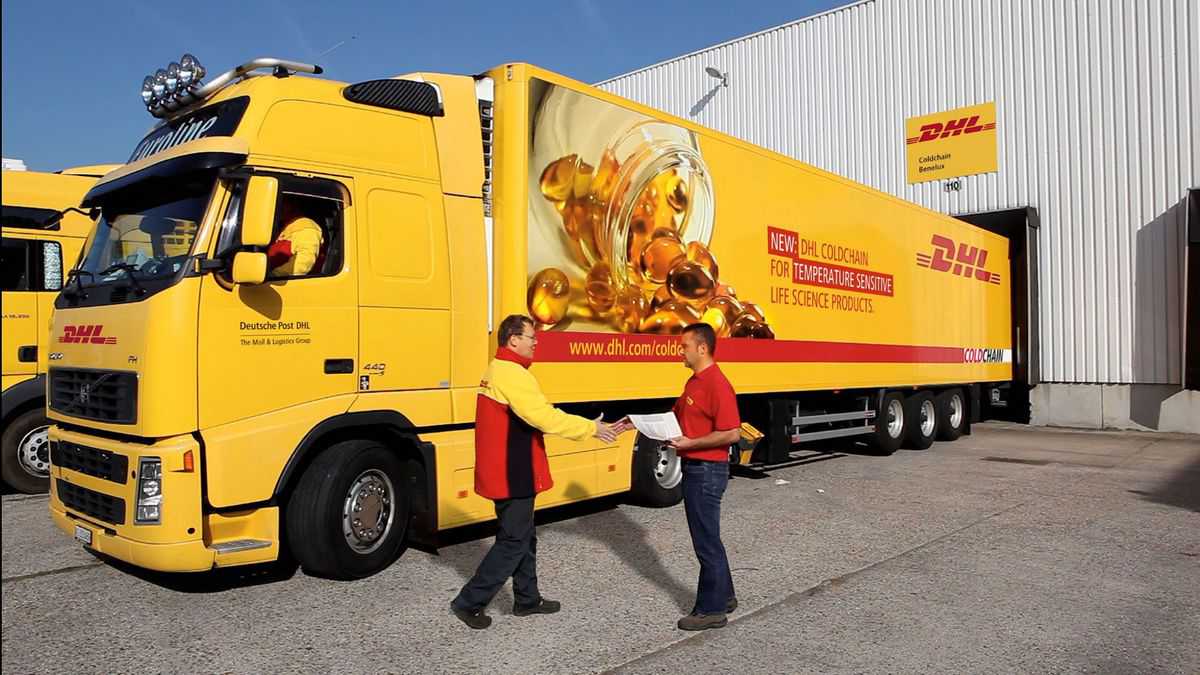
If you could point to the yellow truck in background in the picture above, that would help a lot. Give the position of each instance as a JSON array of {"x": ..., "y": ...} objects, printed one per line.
[
  {"x": 210, "y": 409},
  {"x": 42, "y": 235}
]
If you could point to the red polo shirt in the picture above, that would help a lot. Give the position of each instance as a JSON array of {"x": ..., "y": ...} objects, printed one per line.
[{"x": 708, "y": 404}]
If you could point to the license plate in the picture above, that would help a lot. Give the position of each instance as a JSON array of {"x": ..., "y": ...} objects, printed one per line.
[{"x": 83, "y": 534}]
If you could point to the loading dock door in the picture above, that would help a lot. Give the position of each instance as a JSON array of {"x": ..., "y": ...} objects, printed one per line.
[{"x": 1020, "y": 227}]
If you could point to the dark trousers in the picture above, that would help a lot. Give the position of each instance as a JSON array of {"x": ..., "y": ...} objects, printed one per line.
[
  {"x": 703, "y": 486},
  {"x": 513, "y": 555}
]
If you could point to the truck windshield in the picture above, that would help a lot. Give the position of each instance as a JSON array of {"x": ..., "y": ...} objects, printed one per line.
[{"x": 144, "y": 236}]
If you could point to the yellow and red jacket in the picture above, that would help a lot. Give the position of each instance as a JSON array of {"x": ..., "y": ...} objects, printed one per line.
[
  {"x": 297, "y": 249},
  {"x": 511, "y": 415}
]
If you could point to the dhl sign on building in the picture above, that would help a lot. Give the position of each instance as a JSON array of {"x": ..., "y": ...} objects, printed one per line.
[{"x": 958, "y": 142}]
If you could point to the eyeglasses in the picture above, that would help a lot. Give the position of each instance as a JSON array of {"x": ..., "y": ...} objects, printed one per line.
[{"x": 529, "y": 337}]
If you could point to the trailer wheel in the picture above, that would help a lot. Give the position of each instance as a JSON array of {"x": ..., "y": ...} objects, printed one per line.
[
  {"x": 922, "y": 416},
  {"x": 26, "y": 453},
  {"x": 347, "y": 517},
  {"x": 889, "y": 424},
  {"x": 657, "y": 479},
  {"x": 952, "y": 413}
]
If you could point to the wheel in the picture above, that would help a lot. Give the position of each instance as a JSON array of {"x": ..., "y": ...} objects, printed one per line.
[
  {"x": 889, "y": 424},
  {"x": 657, "y": 474},
  {"x": 347, "y": 517},
  {"x": 26, "y": 448},
  {"x": 952, "y": 413},
  {"x": 922, "y": 426}
]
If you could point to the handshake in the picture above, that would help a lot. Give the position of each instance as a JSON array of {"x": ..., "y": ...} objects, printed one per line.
[{"x": 608, "y": 432}]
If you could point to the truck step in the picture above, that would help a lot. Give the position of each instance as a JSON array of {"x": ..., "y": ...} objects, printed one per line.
[
  {"x": 834, "y": 417},
  {"x": 239, "y": 545},
  {"x": 832, "y": 433}
]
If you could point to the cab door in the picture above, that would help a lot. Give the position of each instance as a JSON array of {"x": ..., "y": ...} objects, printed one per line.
[
  {"x": 405, "y": 295},
  {"x": 290, "y": 340},
  {"x": 20, "y": 307}
]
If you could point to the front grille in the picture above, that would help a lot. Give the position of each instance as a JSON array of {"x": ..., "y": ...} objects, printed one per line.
[
  {"x": 93, "y": 462},
  {"x": 92, "y": 503},
  {"x": 101, "y": 395}
]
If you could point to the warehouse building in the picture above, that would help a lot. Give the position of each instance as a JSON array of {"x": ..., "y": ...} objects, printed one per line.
[{"x": 1070, "y": 127}]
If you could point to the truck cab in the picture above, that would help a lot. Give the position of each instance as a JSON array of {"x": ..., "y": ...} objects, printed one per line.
[
  {"x": 285, "y": 283},
  {"x": 42, "y": 236}
]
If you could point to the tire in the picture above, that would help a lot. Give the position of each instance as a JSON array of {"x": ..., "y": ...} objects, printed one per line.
[
  {"x": 952, "y": 414},
  {"x": 921, "y": 420},
  {"x": 889, "y": 424},
  {"x": 26, "y": 460},
  {"x": 657, "y": 479},
  {"x": 350, "y": 474}
]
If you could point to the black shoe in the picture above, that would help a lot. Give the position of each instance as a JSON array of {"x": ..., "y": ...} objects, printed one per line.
[
  {"x": 476, "y": 619},
  {"x": 731, "y": 605},
  {"x": 543, "y": 606}
]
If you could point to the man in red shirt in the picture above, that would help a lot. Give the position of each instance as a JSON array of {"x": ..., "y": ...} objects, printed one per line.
[{"x": 708, "y": 416}]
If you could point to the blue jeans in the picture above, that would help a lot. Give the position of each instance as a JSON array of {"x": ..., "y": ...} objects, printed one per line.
[{"x": 703, "y": 485}]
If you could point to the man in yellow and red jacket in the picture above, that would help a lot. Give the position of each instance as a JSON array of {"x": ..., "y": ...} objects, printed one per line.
[{"x": 511, "y": 468}]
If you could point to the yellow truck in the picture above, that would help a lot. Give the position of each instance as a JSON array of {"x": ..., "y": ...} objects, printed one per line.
[
  {"x": 42, "y": 231},
  {"x": 211, "y": 410}
]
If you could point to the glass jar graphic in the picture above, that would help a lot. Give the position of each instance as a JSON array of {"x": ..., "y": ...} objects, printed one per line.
[{"x": 621, "y": 211}]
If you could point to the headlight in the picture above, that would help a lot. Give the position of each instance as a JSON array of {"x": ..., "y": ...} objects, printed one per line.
[
  {"x": 160, "y": 83},
  {"x": 149, "y": 494},
  {"x": 173, "y": 78},
  {"x": 190, "y": 71},
  {"x": 148, "y": 90}
]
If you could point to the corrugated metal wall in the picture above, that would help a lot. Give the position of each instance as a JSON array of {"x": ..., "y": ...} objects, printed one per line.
[{"x": 1097, "y": 104}]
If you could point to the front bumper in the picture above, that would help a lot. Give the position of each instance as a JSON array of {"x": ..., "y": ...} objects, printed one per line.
[{"x": 97, "y": 489}]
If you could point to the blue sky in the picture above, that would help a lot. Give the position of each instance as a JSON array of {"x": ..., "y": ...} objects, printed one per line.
[{"x": 72, "y": 70}]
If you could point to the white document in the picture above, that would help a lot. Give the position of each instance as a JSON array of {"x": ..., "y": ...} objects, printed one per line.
[{"x": 660, "y": 427}]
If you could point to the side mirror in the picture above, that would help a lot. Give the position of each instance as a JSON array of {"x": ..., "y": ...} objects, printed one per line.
[
  {"x": 249, "y": 268},
  {"x": 258, "y": 215}
]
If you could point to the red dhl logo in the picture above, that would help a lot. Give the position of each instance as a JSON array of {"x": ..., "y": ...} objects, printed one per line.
[
  {"x": 963, "y": 125},
  {"x": 86, "y": 334},
  {"x": 960, "y": 260}
]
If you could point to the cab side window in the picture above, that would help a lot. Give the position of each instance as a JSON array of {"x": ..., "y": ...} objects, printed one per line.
[
  {"x": 308, "y": 230},
  {"x": 14, "y": 265},
  {"x": 30, "y": 265}
]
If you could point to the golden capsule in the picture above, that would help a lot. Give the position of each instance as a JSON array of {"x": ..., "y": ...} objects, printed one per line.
[
  {"x": 558, "y": 179},
  {"x": 761, "y": 331},
  {"x": 605, "y": 177},
  {"x": 744, "y": 326},
  {"x": 600, "y": 294},
  {"x": 691, "y": 283},
  {"x": 581, "y": 219},
  {"x": 683, "y": 309},
  {"x": 641, "y": 224},
  {"x": 663, "y": 323},
  {"x": 664, "y": 217},
  {"x": 670, "y": 318},
  {"x": 583, "y": 180},
  {"x": 659, "y": 256},
  {"x": 661, "y": 294},
  {"x": 677, "y": 196},
  {"x": 548, "y": 296},
  {"x": 728, "y": 306},
  {"x": 578, "y": 307},
  {"x": 754, "y": 311},
  {"x": 716, "y": 318},
  {"x": 629, "y": 308},
  {"x": 699, "y": 254}
]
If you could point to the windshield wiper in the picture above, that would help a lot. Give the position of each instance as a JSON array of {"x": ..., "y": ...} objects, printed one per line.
[
  {"x": 129, "y": 269},
  {"x": 77, "y": 275}
]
